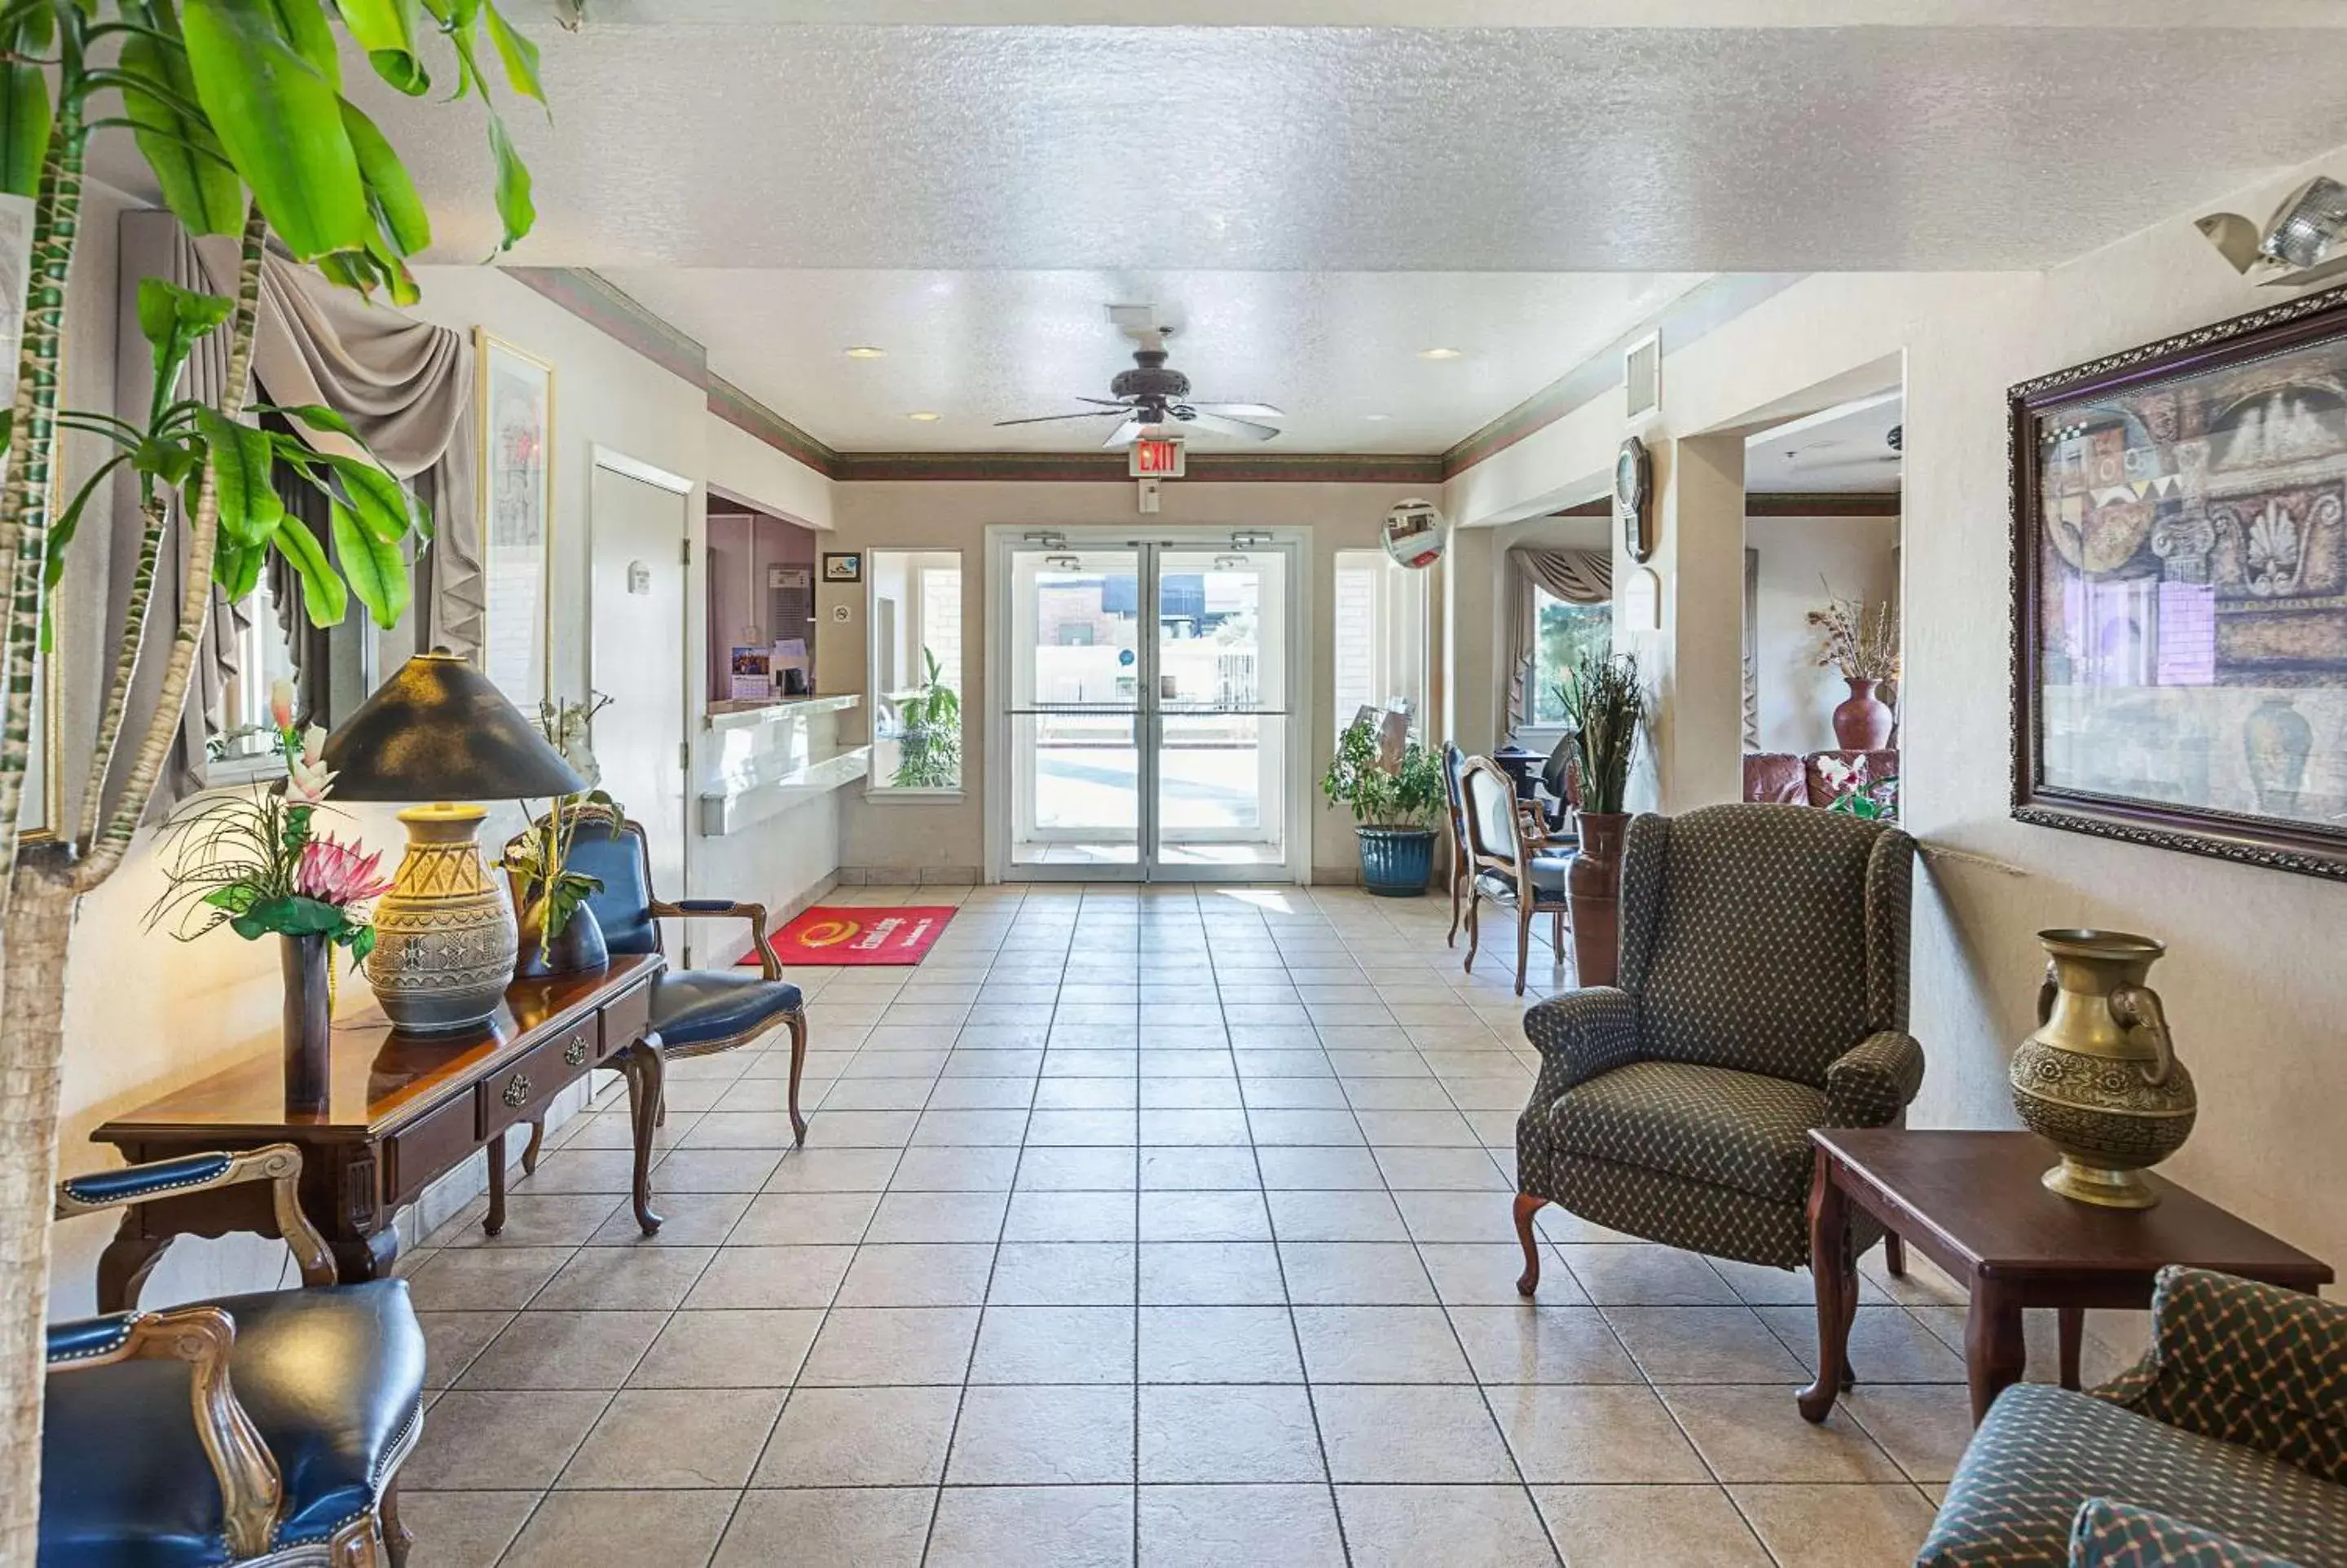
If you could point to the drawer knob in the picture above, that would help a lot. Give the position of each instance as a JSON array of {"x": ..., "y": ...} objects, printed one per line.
[
  {"x": 516, "y": 1089},
  {"x": 576, "y": 1051}
]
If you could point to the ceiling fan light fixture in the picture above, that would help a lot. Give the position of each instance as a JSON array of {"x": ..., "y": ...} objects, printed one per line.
[
  {"x": 1440, "y": 353},
  {"x": 865, "y": 351}
]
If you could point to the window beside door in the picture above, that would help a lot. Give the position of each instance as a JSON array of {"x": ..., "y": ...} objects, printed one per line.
[
  {"x": 1563, "y": 635},
  {"x": 916, "y": 668},
  {"x": 1379, "y": 627}
]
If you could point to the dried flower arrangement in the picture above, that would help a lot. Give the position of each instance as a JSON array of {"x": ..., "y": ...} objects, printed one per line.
[{"x": 1859, "y": 639}]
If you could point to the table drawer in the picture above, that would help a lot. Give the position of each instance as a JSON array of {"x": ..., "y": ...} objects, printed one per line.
[
  {"x": 418, "y": 1153},
  {"x": 625, "y": 1019},
  {"x": 520, "y": 1092}
]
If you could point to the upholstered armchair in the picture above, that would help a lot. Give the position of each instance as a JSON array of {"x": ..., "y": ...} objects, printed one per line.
[
  {"x": 2225, "y": 1446},
  {"x": 1763, "y": 992},
  {"x": 265, "y": 1426},
  {"x": 1512, "y": 858}
]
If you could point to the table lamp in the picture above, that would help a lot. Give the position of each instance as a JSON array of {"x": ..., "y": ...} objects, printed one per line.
[{"x": 439, "y": 731}]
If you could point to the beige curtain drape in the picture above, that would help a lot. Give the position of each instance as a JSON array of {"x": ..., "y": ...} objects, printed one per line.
[
  {"x": 1576, "y": 576},
  {"x": 405, "y": 385}
]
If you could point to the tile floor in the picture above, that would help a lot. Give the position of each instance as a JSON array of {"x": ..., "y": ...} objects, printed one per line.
[{"x": 1165, "y": 1226}]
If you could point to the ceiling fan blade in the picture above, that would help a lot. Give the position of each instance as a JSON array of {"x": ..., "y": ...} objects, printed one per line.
[
  {"x": 1243, "y": 410},
  {"x": 1126, "y": 434},
  {"x": 1048, "y": 418},
  {"x": 1105, "y": 403},
  {"x": 1246, "y": 430}
]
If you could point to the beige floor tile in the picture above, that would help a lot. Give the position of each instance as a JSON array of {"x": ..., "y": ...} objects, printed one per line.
[
  {"x": 1054, "y": 1345},
  {"x": 1347, "y": 1273},
  {"x": 906, "y": 1216},
  {"x": 1218, "y": 1344},
  {"x": 875, "y": 1344},
  {"x": 861, "y": 1437},
  {"x": 1379, "y": 1345},
  {"x": 1204, "y": 1432},
  {"x": 1221, "y": 1217},
  {"x": 622, "y": 1528},
  {"x": 1542, "y": 1344},
  {"x": 780, "y": 1219},
  {"x": 1837, "y": 1526},
  {"x": 1063, "y": 1274},
  {"x": 825, "y": 1170},
  {"x": 676, "y": 1438},
  {"x": 688, "y": 1219},
  {"x": 477, "y": 1279},
  {"x": 1166, "y": 1169},
  {"x": 924, "y": 1273},
  {"x": 1648, "y": 1527},
  {"x": 737, "y": 1347},
  {"x": 1047, "y": 1436},
  {"x": 549, "y": 1350},
  {"x": 1923, "y": 1427},
  {"x": 869, "y": 1527},
  {"x": 946, "y": 1170},
  {"x": 451, "y": 1341},
  {"x": 1238, "y": 1527},
  {"x": 462, "y": 1529},
  {"x": 603, "y": 1170},
  {"x": 1407, "y": 1434},
  {"x": 1704, "y": 1345},
  {"x": 1413, "y": 1526},
  {"x": 1484, "y": 1273},
  {"x": 1210, "y": 1274},
  {"x": 1887, "y": 1344},
  {"x": 753, "y": 1276},
  {"x": 1308, "y": 1216},
  {"x": 606, "y": 1279},
  {"x": 1592, "y": 1434},
  {"x": 1022, "y": 1527},
  {"x": 500, "y": 1440},
  {"x": 1646, "y": 1275},
  {"x": 1755, "y": 1433},
  {"x": 532, "y": 1219},
  {"x": 1039, "y": 1215}
]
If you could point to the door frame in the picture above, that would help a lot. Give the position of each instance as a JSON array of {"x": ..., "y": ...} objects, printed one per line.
[
  {"x": 692, "y": 612},
  {"x": 1002, "y": 540}
]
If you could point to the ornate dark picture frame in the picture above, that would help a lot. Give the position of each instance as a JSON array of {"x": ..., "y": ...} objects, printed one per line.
[{"x": 2198, "y": 541}]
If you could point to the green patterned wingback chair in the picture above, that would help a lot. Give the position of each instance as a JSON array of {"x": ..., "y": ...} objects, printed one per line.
[
  {"x": 2225, "y": 1446},
  {"x": 1763, "y": 992}
]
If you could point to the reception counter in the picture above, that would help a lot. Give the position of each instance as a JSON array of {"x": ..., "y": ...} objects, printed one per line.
[{"x": 757, "y": 761}]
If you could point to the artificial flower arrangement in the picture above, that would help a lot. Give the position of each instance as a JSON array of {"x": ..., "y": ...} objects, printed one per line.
[
  {"x": 540, "y": 856},
  {"x": 254, "y": 861},
  {"x": 1857, "y": 639},
  {"x": 1855, "y": 795}
]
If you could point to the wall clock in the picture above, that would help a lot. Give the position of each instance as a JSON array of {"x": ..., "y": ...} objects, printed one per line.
[{"x": 1633, "y": 476}]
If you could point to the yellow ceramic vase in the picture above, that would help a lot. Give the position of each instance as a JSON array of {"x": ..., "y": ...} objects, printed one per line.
[{"x": 2099, "y": 1080}]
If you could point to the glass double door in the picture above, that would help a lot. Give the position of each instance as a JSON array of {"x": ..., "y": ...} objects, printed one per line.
[{"x": 1147, "y": 707}]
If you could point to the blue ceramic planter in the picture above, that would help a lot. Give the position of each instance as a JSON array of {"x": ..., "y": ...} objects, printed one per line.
[{"x": 1397, "y": 862}]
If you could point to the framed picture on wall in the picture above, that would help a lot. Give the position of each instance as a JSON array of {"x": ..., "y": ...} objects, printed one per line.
[
  {"x": 2179, "y": 591},
  {"x": 843, "y": 566},
  {"x": 514, "y": 401}
]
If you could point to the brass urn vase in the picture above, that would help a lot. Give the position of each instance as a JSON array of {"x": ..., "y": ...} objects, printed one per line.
[{"x": 2099, "y": 1080}]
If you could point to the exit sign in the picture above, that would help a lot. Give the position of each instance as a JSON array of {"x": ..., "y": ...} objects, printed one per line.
[{"x": 1154, "y": 458}]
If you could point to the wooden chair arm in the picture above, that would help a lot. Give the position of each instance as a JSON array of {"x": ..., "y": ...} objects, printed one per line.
[
  {"x": 726, "y": 908},
  {"x": 251, "y": 1488},
  {"x": 277, "y": 1163}
]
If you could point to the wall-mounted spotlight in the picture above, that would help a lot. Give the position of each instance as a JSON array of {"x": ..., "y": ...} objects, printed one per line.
[{"x": 2299, "y": 246}]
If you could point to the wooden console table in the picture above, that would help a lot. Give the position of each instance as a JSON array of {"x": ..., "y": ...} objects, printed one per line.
[
  {"x": 1972, "y": 1204},
  {"x": 405, "y": 1111}
]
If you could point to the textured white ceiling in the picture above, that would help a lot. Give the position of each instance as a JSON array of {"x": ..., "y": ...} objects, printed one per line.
[
  {"x": 1330, "y": 349},
  {"x": 1500, "y": 13},
  {"x": 1356, "y": 149},
  {"x": 1840, "y": 450}
]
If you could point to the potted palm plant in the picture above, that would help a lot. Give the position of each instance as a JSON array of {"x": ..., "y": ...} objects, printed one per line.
[
  {"x": 1394, "y": 807},
  {"x": 1606, "y": 705},
  {"x": 930, "y": 737}
]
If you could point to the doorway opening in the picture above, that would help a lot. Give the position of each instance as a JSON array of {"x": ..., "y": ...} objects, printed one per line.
[{"x": 1145, "y": 687}]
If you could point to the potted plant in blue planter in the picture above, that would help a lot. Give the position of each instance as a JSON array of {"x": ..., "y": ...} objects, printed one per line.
[{"x": 1395, "y": 802}]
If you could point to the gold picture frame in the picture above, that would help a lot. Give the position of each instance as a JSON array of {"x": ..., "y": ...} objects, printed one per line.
[{"x": 513, "y": 411}]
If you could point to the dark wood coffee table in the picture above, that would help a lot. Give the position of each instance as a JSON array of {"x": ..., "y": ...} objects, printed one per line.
[{"x": 1972, "y": 1204}]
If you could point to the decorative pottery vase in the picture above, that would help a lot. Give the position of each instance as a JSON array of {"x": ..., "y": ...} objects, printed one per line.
[
  {"x": 1863, "y": 721},
  {"x": 1593, "y": 889},
  {"x": 578, "y": 946},
  {"x": 444, "y": 937},
  {"x": 2099, "y": 1080},
  {"x": 309, "y": 1024},
  {"x": 1396, "y": 862}
]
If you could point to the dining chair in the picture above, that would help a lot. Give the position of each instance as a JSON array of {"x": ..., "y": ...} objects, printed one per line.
[{"x": 1512, "y": 860}]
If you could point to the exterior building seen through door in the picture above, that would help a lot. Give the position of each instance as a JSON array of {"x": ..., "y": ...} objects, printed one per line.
[{"x": 1148, "y": 710}]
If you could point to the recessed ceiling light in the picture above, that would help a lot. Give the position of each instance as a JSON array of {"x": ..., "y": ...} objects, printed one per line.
[
  {"x": 924, "y": 416},
  {"x": 1437, "y": 354},
  {"x": 865, "y": 351},
  {"x": 1378, "y": 416}
]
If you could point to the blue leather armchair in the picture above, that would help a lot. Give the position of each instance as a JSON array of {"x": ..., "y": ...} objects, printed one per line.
[
  {"x": 242, "y": 1427},
  {"x": 693, "y": 1011}
]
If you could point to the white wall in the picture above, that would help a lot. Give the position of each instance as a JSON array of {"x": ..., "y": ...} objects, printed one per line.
[
  {"x": 1858, "y": 558},
  {"x": 2252, "y": 982},
  {"x": 145, "y": 1014}
]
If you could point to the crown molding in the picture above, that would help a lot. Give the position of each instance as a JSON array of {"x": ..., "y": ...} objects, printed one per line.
[
  {"x": 1097, "y": 467},
  {"x": 1822, "y": 504}
]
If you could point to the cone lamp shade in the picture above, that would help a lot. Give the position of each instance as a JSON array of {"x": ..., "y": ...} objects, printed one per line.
[{"x": 438, "y": 731}]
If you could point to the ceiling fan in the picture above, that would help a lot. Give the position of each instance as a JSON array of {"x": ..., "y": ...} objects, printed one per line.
[{"x": 1153, "y": 395}]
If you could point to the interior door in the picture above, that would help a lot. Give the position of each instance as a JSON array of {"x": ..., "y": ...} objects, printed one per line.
[{"x": 637, "y": 656}]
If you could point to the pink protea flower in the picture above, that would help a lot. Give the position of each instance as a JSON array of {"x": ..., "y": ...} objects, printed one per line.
[
  {"x": 335, "y": 873},
  {"x": 281, "y": 704}
]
